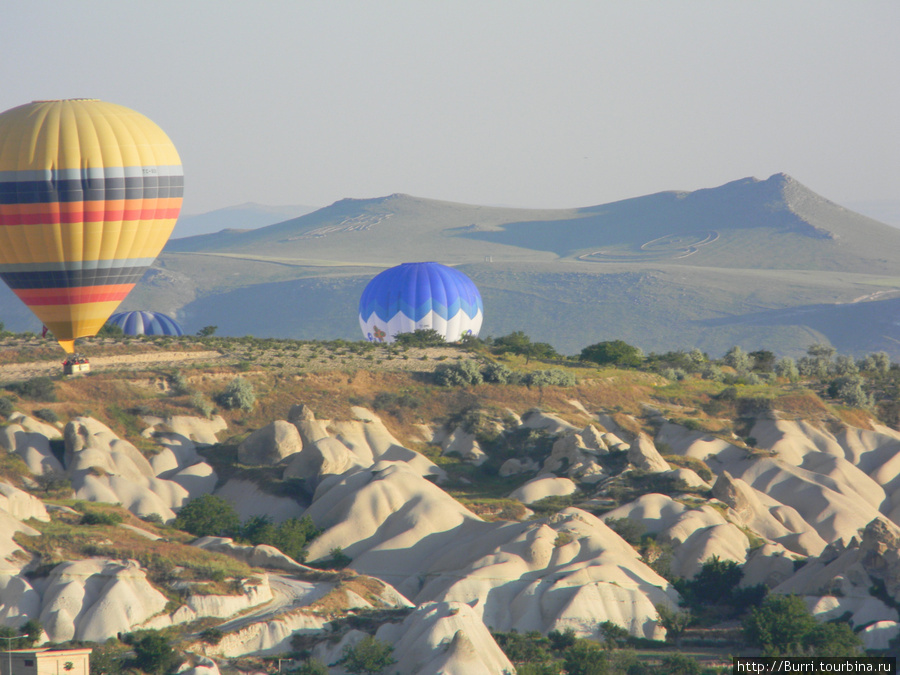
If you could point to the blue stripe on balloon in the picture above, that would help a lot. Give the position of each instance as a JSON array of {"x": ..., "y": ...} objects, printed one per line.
[{"x": 415, "y": 289}]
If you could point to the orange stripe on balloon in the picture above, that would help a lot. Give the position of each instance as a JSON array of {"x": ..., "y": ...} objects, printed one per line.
[
  {"x": 90, "y": 212},
  {"x": 73, "y": 296}
]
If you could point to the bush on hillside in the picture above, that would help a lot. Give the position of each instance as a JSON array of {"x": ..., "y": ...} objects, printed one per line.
[
  {"x": 178, "y": 384},
  {"x": 554, "y": 377},
  {"x": 208, "y": 516},
  {"x": 849, "y": 389},
  {"x": 7, "y": 407},
  {"x": 497, "y": 373},
  {"x": 613, "y": 353},
  {"x": 36, "y": 389},
  {"x": 783, "y": 626},
  {"x": 421, "y": 337},
  {"x": 47, "y": 415},
  {"x": 101, "y": 518},
  {"x": 458, "y": 374},
  {"x": 153, "y": 654},
  {"x": 239, "y": 394},
  {"x": 520, "y": 344},
  {"x": 369, "y": 655},
  {"x": 289, "y": 537},
  {"x": 787, "y": 368}
]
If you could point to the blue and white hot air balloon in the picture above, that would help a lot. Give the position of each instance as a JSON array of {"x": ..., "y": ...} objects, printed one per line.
[
  {"x": 145, "y": 323},
  {"x": 423, "y": 295}
]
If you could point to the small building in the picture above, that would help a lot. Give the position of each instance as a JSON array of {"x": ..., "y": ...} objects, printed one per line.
[{"x": 46, "y": 662}]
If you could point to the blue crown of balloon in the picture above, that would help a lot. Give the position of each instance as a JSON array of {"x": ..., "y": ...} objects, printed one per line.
[
  {"x": 145, "y": 323},
  {"x": 415, "y": 289}
]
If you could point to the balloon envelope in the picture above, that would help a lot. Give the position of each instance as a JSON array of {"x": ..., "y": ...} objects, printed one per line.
[
  {"x": 416, "y": 296},
  {"x": 145, "y": 323},
  {"x": 89, "y": 194}
]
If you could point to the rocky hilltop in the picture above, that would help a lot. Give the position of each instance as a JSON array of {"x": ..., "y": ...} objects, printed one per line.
[{"x": 445, "y": 518}]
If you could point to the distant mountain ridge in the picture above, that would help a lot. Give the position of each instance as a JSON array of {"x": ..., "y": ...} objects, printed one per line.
[
  {"x": 246, "y": 216},
  {"x": 764, "y": 264},
  {"x": 724, "y": 226}
]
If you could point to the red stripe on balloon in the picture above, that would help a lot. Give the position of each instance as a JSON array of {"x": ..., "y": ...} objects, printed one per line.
[
  {"x": 75, "y": 212},
  {"x": 73, "y": 296}
]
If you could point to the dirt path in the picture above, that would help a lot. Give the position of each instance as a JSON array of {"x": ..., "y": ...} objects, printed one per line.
[{"x": 24, "y": 371}]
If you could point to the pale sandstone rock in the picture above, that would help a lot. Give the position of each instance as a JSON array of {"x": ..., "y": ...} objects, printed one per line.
[
  {"x": 770, "y": 564},
  {"x": 96, "y": 599},
  {"x": 536, "y": 419},
  {"x": 572, "y": 454},
  {"x": 254, "y": 592},
  {"x": 249, "y": 501},
  {"x": 593, "y": 438},
  {"x": 21, "y": 505},
  {"x": 644, "y": 455},
  {"x": 32, "y": 446},
  {"x": 33, "y": 426},
  {"x": 657, "y": 512},
  {"x": 270, "y": 445},
  {"x": 310, "y": 428},
  {"x": 400, "y": 528},
  {"x": 541, "y": 487},
  {"x": 444, "y": 637},
  {"x": 461, "y": 442},
  {"x": 514, "y": 466},
  {"x": 255, "y": 556},
  {"x": 19, "y": 600},
  {"x": 689, "y": 476},
  {"x": 324, "y": 457},
  {"x": 880, "y": 635}
]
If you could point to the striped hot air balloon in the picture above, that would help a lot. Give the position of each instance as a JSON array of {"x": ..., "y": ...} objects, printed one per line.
[
  {"x": 421, "y": 295},
  {"x": 145, "y": 323},
  {"x": 89, "y": 194}
]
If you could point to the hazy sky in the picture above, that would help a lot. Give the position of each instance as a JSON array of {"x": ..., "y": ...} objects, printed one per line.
[{"x": 520, "y": 103}]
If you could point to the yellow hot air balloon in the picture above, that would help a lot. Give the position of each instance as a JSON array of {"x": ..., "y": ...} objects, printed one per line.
[{"x": 89, "y": 194}]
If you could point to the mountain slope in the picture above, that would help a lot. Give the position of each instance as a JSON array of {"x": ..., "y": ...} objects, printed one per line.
[
  {"x": 764, "y": 264},
  {"x": 247, "y": 216}
]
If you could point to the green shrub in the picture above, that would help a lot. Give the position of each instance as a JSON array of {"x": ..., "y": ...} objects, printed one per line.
[
  {"x": 238, "y": 394},
  {"x": 554, "y": 377},
  {"x": 849, "y": 390},
  {"x": 497, "y": 373},
  {"x": 36, "y": 389},
  {"x": 458, "y": 374},
  {"x": 153, "y": 653},
  {"x": 289, "y": 537},
  {"x": 613, "y": 353},
  {"x": 787, "y": 368},
  {"x": 212, "y": 636},
  {"x": 387, "y": 400},
  {"x": 202, "y": 404},
  {"x": 208, "y": 515},
  {"x": 369, "y": 655},
  {"x": 7, "y": 407},
  {"x": 311, "y": 667},
  {"x": 47, "y": 415},
  {"x": 783, "y": 625},
  {"x": 520, "y": 344},
  {"x": 178, "y": 384},
  {"x": 421, "y": 337},
  {"x": 101, "y": 518}
]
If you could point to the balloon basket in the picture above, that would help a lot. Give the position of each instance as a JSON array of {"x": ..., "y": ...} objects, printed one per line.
[{"x": 76, "y": 365}]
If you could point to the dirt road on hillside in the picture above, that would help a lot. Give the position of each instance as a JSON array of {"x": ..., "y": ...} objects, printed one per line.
[{"x": 23, "y": 371}]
